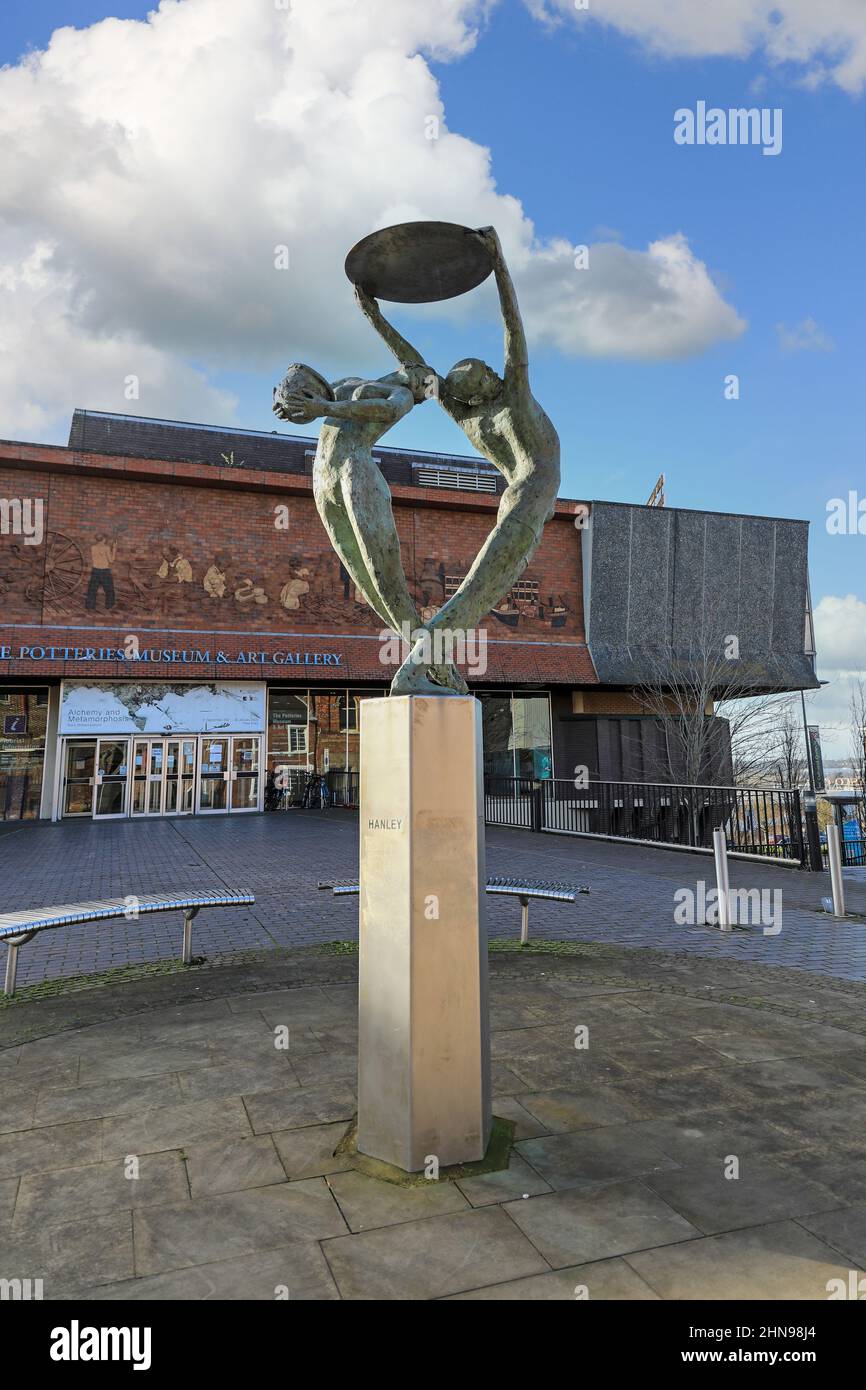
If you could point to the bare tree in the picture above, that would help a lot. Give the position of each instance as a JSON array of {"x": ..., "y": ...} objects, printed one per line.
[
  {"x": 857, "y": 708},
  {"x": 767, "y": 742},
  {"x": 715, "y": 722},
  {"x": 780, "y": 751}
]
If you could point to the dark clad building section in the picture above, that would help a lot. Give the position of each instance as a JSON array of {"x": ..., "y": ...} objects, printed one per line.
[{"x": 660, "y": 580}]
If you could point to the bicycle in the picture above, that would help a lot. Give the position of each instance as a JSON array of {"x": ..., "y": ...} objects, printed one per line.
[{"x": 316, "y": 793}]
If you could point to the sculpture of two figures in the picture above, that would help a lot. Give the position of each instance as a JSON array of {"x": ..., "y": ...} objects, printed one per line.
[{"x": 498, "y": 415}]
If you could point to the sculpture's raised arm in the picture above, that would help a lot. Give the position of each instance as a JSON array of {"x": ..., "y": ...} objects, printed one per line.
[
  {"x": 405, "y": 353},
  {"x": 516, "y": 351}
]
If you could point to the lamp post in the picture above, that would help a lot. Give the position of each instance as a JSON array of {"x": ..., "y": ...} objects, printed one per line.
[{"x": 809, "y": 763}]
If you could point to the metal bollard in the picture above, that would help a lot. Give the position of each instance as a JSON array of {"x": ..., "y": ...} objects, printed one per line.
[
  {"x": 720, "y": 855},
  {"x": 834, "y": 854}
]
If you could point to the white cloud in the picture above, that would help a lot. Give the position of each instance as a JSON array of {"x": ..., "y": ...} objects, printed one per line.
[
  {"x": 840, "y": 636},
  {"x": 149, "y": 170},
  {"x": 840, "y": 633},
  {"x": 806, "y": 336},
  {"x": 48, "y": 365},
  {"x": 823, "y": 40},
  {"x": 643, "y": 304}
]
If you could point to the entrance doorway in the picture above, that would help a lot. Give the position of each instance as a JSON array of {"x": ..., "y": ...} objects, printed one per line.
[
  {"x": 110, "y": 778},
  {"x": 163, "y": 776},
  {"x": 97, "y": 773},
  {"x": 230, "y": 773}
]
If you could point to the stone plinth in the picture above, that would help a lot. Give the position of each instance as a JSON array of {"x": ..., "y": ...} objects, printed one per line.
[{"x": 424, "y": 1060}]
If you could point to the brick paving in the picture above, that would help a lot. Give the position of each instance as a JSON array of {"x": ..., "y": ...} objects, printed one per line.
[{"x": 281, "y": 858}]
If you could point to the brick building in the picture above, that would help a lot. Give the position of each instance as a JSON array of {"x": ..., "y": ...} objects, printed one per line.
[{"x": 174, "y": 623}]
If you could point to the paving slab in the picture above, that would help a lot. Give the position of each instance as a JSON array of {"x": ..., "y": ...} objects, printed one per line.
[
  {"x": 173, "y": 1126},
  {"x": 293, "y": 1108},
  {"x": 526, "y": 1126},
  {"x": 231, "y": 1165},
  {"x": 842, "y": 1174},
  {"x": 763, "y": 1191},
  {"x": 142, "y": 1060},
  {"x": 606, "y": 1279},
  {"x": 56, "y": 1146},
  {"x": 8, "y": 1193},
  {"x": 519, "y": 1179},
  {"x": 432, "y": 1257},
  {"x": 238, "y": 1076},
  {"x": 47, "y": 1199},
  {"x": 594, "y": 1156},
  {"x": 567, "y": 1111},
  {"x": 843, "y": 1229},
  {"x": 204, "y": 1230},
  {"x": 128, "y": 1096},
  {"x": 368, "y": 1203},
  {"x": 778, "y": 1261},
  {"x": 575, "y": 1227},
  {"x": 73, "y": 1256},
  {"x": 310, "y": 1152},
  {"x": 294, "y": 1272},
  {"x": 17, "y": 1104}
]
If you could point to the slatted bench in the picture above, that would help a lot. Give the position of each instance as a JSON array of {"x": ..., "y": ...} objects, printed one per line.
[
  {"x": 509, "y": 887},
  {"x": 17, "y": 928}
]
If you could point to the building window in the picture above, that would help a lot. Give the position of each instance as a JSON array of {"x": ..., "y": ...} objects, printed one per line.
[
  {"x": 348, "y": 707},
  {"x": 297, "y": 738},
  {"x": 516, "y": 729},
  {"x": 22, "y": 751},
  {"x": 287, "y": 728}
]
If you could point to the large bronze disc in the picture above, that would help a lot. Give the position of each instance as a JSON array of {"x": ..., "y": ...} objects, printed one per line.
[{"x": 418, "y": 262}]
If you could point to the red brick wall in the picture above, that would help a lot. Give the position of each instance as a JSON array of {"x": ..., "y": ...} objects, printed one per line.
[{"x": 169, "y": 531}]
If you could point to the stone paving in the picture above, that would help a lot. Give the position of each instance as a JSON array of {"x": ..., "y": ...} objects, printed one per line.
[
  {"x": 155, "y": 1144},
  {"x": 281, "y": 858}
]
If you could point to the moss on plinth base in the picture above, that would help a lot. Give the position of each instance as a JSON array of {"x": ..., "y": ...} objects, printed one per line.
[{"x": 495, "y": 1160}]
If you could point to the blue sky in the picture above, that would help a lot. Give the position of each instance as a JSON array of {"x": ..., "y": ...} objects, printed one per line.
[{"x": 579, "y": 124}]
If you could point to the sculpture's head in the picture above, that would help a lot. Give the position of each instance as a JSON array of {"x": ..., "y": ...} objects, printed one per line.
[
  {"x": 472, "y": 382},
  {"x": 300, "y": 380},
  {"x": 420, "y": 380}
]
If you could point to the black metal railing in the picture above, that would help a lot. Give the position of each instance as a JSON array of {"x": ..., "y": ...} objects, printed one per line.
[
  {"x": 343, "y": 788},
  {"x": 512, "y": 801},
  {"x": 765, "y": 821},
  {"x": 853, "y": 851}
]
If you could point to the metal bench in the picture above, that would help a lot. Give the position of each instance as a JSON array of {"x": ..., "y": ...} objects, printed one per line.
[
  {"x": 17, "y": 928},
  {"x": 509, "y": 887}
]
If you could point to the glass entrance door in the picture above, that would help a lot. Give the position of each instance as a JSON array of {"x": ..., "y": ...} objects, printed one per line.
[
  {"x": 163, "y": 777},
  {"x": 214, "y": 774},
  {"x": 244, "y": 784},
  {"x": 180, "y": 776},
  {"x": 147, "y": 777},
  {"x": 79, "y": 777},
  {"x": 112, "y": 775}
]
